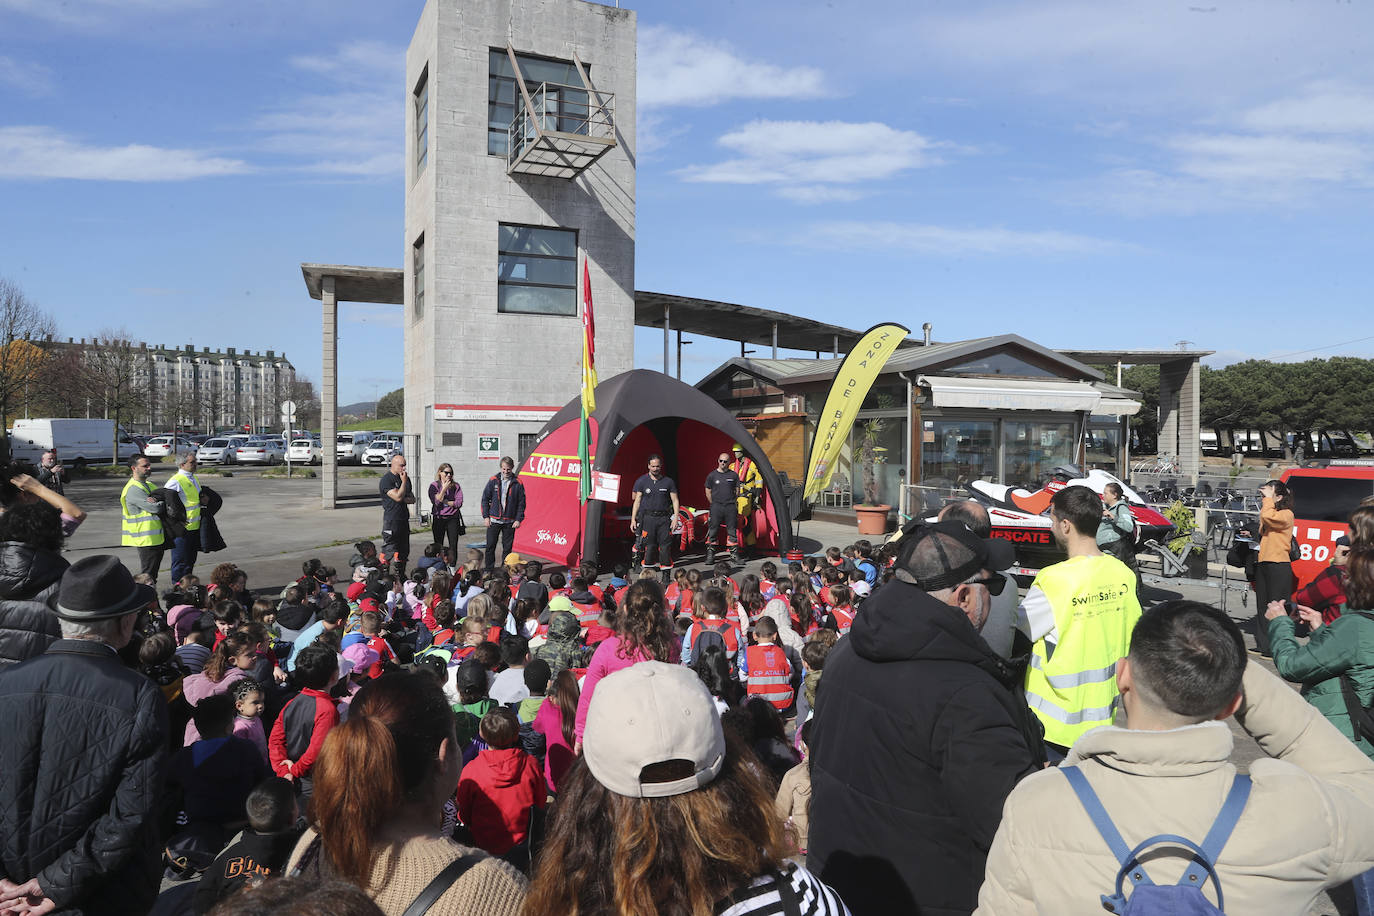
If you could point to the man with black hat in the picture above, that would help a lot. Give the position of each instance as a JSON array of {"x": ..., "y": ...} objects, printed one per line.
[
  {"x": 82, "y": 758},
  {"x": 919, "y": 734}
]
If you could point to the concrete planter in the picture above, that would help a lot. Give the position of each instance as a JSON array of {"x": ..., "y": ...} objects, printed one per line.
[{"x": 872, "y": 520}]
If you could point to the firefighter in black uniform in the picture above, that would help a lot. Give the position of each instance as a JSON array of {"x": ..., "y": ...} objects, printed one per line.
[
  {"x": 654, "y": 516},
  {"x": 722, "y": 489}
]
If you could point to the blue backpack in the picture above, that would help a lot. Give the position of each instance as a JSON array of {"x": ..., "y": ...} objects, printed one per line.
[{"x": 1147, "y": 898}]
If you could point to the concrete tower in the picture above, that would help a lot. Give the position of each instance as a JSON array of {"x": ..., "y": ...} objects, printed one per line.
[{"x": 519, "y": 169}]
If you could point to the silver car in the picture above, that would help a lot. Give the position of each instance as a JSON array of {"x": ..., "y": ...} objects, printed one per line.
[
  {"x": 215, "y": 451},
  {"x": 261, "y": 451}
]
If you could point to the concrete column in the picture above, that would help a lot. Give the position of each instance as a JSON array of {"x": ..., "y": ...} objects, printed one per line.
[
  {"x": 1179, "y": 407},
  {"x": 329, "y": 395},
  {"x": 667, "y": 335}
]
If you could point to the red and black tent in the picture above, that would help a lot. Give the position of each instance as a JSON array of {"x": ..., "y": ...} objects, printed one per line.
[{"x": 638, "y": 414}]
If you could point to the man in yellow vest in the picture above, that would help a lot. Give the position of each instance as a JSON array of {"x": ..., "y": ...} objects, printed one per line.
[
  {"x": 142, "y": 517},
  {"x": 186, "y": 548},
  {"x": 750, "y": 490},
  {"x": 1079, "y": 615}
]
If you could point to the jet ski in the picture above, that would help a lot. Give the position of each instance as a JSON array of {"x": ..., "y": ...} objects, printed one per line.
[{"x": 1022, "y": 516}]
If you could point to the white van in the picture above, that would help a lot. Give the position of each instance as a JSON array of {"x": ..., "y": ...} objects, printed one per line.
[
  {"x": 78, "y": 442},
  {"x": 349, "y": 447}
]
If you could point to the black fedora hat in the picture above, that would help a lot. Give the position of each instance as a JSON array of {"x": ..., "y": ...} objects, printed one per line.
[{"x": 98, "y": 588}]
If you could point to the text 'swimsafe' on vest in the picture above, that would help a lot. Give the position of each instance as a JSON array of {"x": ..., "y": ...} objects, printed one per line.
[{"x": 1071, "y": 684}]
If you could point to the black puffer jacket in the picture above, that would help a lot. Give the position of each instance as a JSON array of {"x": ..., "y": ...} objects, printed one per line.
[
  {"x": 81, "y": 770},
  {"x": 917, "y": 741},
  {"x": 28, "y": 578}
]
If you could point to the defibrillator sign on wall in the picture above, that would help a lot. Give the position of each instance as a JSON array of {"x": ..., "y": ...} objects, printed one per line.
[{"x": 488, "y": 446}]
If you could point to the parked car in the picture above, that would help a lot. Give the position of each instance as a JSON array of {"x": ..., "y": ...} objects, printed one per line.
[
  {"x": 349, "y": 447},
  {"x": 305, "y": 451},
  {"x": 381, "y": 450},
  {"x": 215, "y": 451},
  {"x": 260, "y": 451},
  {"x": 162, "y": 446}
]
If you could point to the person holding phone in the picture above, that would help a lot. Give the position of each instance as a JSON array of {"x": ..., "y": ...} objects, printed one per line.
[
  {"x": 446, "y": 504},
  {"x": 1274, "y": 566}
]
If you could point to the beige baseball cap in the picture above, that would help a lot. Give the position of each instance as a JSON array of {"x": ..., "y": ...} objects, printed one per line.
[{"x": 651, "y": 713}]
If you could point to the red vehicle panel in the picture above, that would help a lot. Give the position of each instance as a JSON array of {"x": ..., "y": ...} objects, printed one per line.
[{"x": 1323, "y": 499}]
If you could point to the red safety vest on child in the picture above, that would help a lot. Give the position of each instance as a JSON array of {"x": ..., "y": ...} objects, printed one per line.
[
  {"x": 494, "y": 634},
  {"x": 727, "y": 630},
  {"x": 844, "y": 618},
  {"x": 770, "y": 676},
  {"x": 587, "y": 614}
]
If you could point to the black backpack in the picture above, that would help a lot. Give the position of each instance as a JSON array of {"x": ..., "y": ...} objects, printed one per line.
[{"x": 705, "y": 638}]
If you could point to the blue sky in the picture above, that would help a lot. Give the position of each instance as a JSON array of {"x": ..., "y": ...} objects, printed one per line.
[{"x": 1085, "y": 174}]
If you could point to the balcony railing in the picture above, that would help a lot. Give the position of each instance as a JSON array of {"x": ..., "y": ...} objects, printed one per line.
[{"x": 560, "y": 130}]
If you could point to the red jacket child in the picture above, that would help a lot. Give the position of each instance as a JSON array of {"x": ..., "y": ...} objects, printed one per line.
[{"x": 499, "y": 786}]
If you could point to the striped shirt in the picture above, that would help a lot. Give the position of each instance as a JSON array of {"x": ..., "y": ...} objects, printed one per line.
[{"x": 789, "y": 891}]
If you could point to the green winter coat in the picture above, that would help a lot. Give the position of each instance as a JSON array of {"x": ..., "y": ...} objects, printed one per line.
[{"x": 1346, "y": 645}]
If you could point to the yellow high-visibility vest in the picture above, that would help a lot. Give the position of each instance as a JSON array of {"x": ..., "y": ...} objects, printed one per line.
[
  {"x": 1071, "y": 683},
  {"x": 141, "y": 527},
  {"x": 190, "y": 496}
]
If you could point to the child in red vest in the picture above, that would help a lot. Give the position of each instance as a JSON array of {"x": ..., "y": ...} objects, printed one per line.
[
  {"x": 841, "y": 616},
  {"x": 370, "y": 625},
  {"x": 604, "y": 627},
  {"x": 711, "y": 605},
  {"x": 499, "y": 786},
  {"x": 765, "y": 670}
]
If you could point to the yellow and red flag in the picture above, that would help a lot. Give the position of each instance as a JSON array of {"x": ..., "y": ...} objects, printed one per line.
[{"x": 588, "y": 385}]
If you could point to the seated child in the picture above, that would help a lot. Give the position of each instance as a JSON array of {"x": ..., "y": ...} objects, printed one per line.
[
  {"x": 431, "y": 559},
  {"x": 537, "y": 676},
  {"x": 793, "y": 804},
  {"x": 261, "y": 852},
  {"x": 249, "y": 703},
  {"x": 603, "y": 628},
  {"x": 499, "y": 786},
  {"x": 216, "y": 772},
  {"x": 301, "y": 728}
]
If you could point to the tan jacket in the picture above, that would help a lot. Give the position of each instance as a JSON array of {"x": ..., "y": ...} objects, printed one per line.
[
  {"x": 1276, "y": 533},
  {"x": 794, "y": 801},
  {"x": 1308, "y": 824}
]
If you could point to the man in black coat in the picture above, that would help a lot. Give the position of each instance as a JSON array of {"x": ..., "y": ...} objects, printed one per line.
[
  {"x": 82, "y": 757},
  {"x": 919, "y": 735}
]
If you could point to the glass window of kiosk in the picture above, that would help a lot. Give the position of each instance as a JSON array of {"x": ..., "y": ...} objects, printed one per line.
[{"x": 1033, "y": 448}]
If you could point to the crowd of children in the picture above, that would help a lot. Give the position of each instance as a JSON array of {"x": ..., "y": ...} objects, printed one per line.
[{"x": 255, "y": 687}]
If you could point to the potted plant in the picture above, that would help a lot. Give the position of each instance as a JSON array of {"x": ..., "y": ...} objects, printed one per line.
[
  {"x": 1185, "y": 523},
  {"x": 871, "y": 515}
]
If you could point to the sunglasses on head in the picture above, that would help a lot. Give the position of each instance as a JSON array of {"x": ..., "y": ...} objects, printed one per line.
[{"x": 994, "y": 583}]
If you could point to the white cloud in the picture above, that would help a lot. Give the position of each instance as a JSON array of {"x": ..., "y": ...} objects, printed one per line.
[
  {"x": 680, "y": 68},
  {"x": 41, "y": 152},
  {"x": 353, "y": 123},
  {"x": 820, "y": 194},
  {"x": 1269, "y": 159},
  {"x": 917, "y": 238},
  {"x": 1323, "y": 108},
  {"x": 29, "y": 78},
  {"x": 806, "y": 156},
  {"x": 90, "y": 13},
  {"x": 358, "y": 61},
  {"x": 1145, "y": 56}
]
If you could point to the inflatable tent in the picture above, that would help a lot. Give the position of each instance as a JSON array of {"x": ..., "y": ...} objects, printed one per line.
[{"x": 638, "y": 413}]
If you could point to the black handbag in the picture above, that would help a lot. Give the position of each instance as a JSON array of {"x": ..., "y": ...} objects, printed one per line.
[{"x": 462, "y": 526}]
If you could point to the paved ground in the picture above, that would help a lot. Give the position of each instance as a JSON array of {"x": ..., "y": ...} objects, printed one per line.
[{"x": 272, "y": 525}]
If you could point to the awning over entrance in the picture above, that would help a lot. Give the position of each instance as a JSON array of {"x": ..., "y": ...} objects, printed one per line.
[{"x": 1008, "y": 394}]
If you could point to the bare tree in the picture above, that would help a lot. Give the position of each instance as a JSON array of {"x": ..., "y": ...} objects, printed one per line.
[
  {"x": 60, "y": 388},
  {"x": 22, "y": 326},
  {"x": 180, "y": 407},
  {"x": 302, "y": 391},
  {"x": 116, "y": 374}
]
